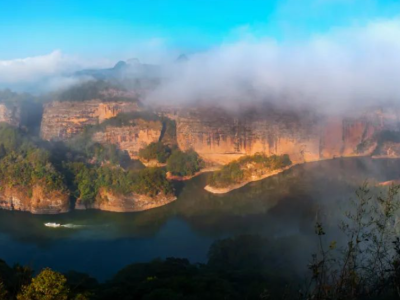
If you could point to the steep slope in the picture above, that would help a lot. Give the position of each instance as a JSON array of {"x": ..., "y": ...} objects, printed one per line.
[
  {"x": 130, "y": 138},
  {"x": 220, "y": 137},
  {"x": 65, "y": 119}
]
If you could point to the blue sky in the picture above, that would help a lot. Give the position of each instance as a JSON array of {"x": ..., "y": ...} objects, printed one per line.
[{"x": 114, "y": 28}]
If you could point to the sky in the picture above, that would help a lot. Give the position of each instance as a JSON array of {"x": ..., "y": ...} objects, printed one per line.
[
  {"x": 332, "y": 54},
  {"x": 119, "y": 29}
]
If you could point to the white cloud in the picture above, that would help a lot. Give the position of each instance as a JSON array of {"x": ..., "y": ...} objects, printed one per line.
[
  {"x": 339, "y": 70},
  {"x": 43, "y": 72}
]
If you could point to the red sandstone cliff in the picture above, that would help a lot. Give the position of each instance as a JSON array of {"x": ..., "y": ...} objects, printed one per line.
[
  {"x": 37, "y": 201},
  {"x": 10, "y": 113},
  {"x": 131, "y": 138},
  {"x": 221, "y": 137},
  {"x": 63, "y": 120},
  {"x": 109, "y": 201}
]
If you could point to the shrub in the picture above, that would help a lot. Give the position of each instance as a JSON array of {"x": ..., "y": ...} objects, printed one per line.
[
  {"x": 184, "y": 163},
  {"x": 157, "y": 151}
]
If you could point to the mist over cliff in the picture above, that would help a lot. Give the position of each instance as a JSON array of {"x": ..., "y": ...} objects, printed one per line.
[{"x": 345, "y": 69}]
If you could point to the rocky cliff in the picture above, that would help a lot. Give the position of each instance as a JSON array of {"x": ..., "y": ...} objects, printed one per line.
[
  {"x": 63, "y": 120},
  {"x": 10, "y": 113},
  {"x": 108, "y": 201},
  {"x": 220, "y": 137},
  {"x": 131, "y": 138},
  {"x": 37, "y": 201}
]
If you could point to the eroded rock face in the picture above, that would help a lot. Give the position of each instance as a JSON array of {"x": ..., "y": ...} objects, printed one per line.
[
  {"x": 63, "y": 120},
  {"x": 37, "y": 201},
  {"x": 108, "y": 201},
  {"x": 221, "y": 137},
  {"x": 131, "y": 138},
  {"x": 10, "y": 113}
]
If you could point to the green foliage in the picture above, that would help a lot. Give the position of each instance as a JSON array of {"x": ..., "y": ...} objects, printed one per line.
[
  {"x": 243, "y": 168},
  {"x": 87, "y": 180},
  {"x": 157, "y": 151},
  {"x": 151, "y": 182},
  {"x": 184, "y": 163},
  {"x": 22, "y": 163},
  {"x": 48, "y": 285}
]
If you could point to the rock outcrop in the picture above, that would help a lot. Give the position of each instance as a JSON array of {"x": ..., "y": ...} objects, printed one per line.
[
  {"x": 131, "y": 138},
  {"x": 10, "y": 113},
  {"x": 63, "y": 120},
  {"x": 36, "y": 201},
  {"x": 108, "y": 201},
  {"x": 221, "y": 137}
]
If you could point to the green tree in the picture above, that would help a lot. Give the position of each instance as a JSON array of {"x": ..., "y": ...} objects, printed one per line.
[
  {"x": 48, "y": 285},
  {"x": 156, "y": 150},
  {"x": 184, "y": 163}
]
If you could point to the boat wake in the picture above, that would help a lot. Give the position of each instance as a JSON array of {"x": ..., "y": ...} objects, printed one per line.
[{"x": 57, "y": 225}]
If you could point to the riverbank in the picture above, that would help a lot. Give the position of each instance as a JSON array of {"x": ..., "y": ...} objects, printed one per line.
[{"x": 224, "y": 190}]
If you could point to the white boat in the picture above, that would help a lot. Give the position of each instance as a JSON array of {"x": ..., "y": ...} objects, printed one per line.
[{"x": 52, "y": 224}]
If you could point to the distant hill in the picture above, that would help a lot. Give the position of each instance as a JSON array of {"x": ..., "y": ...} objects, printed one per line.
[{"x": 131, "y": 69}]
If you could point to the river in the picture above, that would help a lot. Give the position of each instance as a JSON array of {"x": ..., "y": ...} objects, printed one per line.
[{"x": 282, "y": 208}]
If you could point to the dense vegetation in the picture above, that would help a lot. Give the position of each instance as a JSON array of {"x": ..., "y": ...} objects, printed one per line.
[
  {"x": 237, "y": 269},
  {"x": 22, "y": 163},
  {"x": 184, "y": 163},
  {"x": 26, "y": 163},
  {"x": 87, "y": 180},
  {"x": 245, "y": 167},
  {"x": 179, "y": 163},
  {"x": 155, "y": 151}
]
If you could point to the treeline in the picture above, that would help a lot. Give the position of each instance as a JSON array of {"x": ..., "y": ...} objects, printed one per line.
[
  {"x": 179, "y": 163},
  {"x": 237, "y": 268},
  {"x": 245, "y": 167}
]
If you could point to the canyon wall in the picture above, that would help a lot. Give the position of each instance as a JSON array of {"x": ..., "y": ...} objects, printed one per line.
[
  {"x": 131, "y": 138},
  {"x": 10, "y": 113},
  {"x": 221, "y": 137},
  {"x": 63, "y": 120},
  {"x": 36, "y": 201}
]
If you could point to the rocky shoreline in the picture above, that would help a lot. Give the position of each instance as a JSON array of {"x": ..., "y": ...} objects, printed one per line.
[{"x": 130, "y": 203}]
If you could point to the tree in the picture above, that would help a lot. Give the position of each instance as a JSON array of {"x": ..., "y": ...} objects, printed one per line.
[
  {"x": 48, "y": 285},
  {"x": 3, "y": 292},
  {"x": 184, "y": 163},
  {"x": 367, "y": 266},
  {"x": 157, "y": 151}
]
